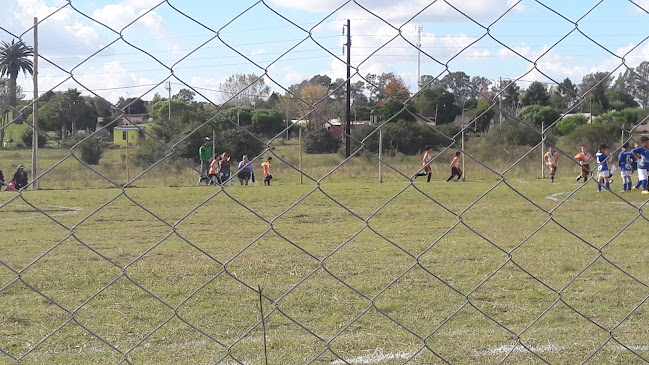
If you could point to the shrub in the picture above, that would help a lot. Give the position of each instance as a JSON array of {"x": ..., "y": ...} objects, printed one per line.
[
  {"x": 405, "y": 137},
  {"x": 513, "y": 133},
  {"x": 568, "y": 124},
  {"x": 592, "y": 135},
  {"x": 322, "y": 141},
  {"x": 149, "y": 152},
  {"x": 91, "y": 150},
  {"x": 236, "y": 143},
  {"x": 28, "y": 135}
]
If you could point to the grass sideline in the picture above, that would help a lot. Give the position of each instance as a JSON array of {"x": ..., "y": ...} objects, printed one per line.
[{"x": 153, "y": 243}]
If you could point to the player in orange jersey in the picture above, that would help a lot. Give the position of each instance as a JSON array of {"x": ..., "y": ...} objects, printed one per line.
[
  {"x": 266, "y": 167},
  {"x": 427, "y": 159},
  {"x": 455, "y": 168},
  {"x": 584, "y": 159},
  {"x": 551, "y": 159}
]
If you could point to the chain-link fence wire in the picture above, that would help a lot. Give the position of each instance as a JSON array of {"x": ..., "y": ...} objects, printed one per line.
[{"x": 324, "y": 346}]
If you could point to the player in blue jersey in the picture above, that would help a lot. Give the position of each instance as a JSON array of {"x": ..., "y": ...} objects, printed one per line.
[
  {"x": 603, "y": 172},
  {"x": 625, "y": 160},
  {"x": 641, "y": 153}
]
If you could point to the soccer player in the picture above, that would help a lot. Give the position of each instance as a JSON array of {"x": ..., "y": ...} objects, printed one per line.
[
  {"x": 455, "y": 168},
  {"x": 427, "y": 159},
  {"x": 641, "y": 153},
  {"x": 584, "y": 158},
  {"x": 266, "y": 167},
  {"x": 603, "y": 172},
  {"x": 625, "y": 160},
  {"x": 551, "y": 159}
]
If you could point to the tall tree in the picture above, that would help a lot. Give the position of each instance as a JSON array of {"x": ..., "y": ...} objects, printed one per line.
[
  {"x": 185, "y": 95},
  {"x": 376, "y": 86},
  {"x": 72, "y": 107},
  {"x": 480, "y": 84},
  {"x": 437, "y": 103},
  {"x": 636, "y": 83},
  {"x": 244, "y": 89},
  {"x": 459, "y": 84},
  {"x": 397, "y": 88},
  {"x": 593, "y": 87},
  {"x": 5, "y": 93},
  {"x": 315, "y": 107},
  {"x": 536, "y": 94},
  {"x": 15, "y": 57}
]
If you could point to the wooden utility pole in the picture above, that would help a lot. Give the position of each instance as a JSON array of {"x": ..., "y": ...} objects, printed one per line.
[
  {"x": 381, "y": 154},
  {"x": 301, "y": 167},
  {"x": 542, "y": 150},
  {"x": 35, "y": 170},
  {"x": 348, "y": 129}
]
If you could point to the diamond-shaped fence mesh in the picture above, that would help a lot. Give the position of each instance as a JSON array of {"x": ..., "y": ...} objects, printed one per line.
[{"x": 343, "y": 259}]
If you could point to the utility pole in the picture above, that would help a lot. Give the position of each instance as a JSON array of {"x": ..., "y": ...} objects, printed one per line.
[
  {"x": 168, "y": 87},
  {"x": 348, "y": 118},
  {"x": 35, "y": 170},
  {"x": 419, "y": 30},
  {"x": 500, "y": 100}
]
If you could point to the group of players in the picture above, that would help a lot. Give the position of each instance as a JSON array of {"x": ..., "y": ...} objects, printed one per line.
[{"x": 628, "y": 161}]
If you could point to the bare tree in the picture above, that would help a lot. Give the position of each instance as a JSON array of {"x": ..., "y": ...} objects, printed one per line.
[{"x": 244, "y": 90}]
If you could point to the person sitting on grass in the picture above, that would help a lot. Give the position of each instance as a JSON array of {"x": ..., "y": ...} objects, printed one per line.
[
  {"x": 20, "y": 178},
  {"x": 245, "y": 171},
  {"x": 426, "y": 160},
  {"x": 266, "y": 167}
]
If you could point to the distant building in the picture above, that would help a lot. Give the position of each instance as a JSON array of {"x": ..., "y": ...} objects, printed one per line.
[
  {"x": 588, "y": 116},
  {"x": 128, "y": 135},
  {"x": 127, "y": 119},
  {"x": 337, "y": 126}
]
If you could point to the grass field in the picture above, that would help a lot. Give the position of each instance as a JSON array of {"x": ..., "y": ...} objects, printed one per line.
[{"x": 350, "y": 269}]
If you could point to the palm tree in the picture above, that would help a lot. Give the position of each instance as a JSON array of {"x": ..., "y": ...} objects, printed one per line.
[{"x": 15, "y": 57}]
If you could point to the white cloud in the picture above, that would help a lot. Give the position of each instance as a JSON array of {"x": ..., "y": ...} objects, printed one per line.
[
  {"x": 63, "y": 28},
  {"x": 208, "y": 87},
  {"x": 118, "y": 16},
  {"x": 403, "y": 10}
]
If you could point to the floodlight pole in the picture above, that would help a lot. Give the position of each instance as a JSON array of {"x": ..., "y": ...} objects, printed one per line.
[{"x": 35, "y": 170}]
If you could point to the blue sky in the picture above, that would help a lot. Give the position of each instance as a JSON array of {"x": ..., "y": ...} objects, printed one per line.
[{"x": 70, "y": 39}]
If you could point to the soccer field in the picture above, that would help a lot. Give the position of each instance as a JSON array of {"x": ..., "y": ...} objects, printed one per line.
[{"x": 354, "y": 270}]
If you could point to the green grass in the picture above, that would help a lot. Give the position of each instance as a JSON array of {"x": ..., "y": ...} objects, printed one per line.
[{"x": 420, "y": 274}]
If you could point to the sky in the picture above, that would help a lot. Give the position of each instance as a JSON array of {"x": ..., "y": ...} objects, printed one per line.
[{"x": 131, "y": 48}]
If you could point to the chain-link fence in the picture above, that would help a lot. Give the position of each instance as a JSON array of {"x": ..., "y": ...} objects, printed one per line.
[{"x": 342, "y": 260}]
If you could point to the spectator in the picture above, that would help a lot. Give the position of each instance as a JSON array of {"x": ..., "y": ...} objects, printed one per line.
[
  {"x": 245, "y": 171},
  {"x": 205, "y": 155},
  {"x": 20, "y": 178},
  {"x": 225, "y": 167},
  {"x": 2, "y": 180},
  {"x": 215, "y": 167}
]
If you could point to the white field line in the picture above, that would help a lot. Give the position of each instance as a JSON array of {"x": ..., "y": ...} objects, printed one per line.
[
  {"x": 67, "y": 211},
  {"x": 554, "y": 197},
  {"x": 375, "y": 358},
  {"x": 502, "y": 350}
]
